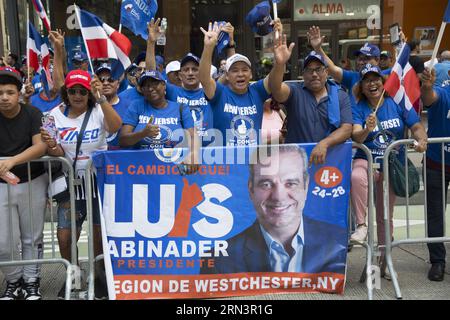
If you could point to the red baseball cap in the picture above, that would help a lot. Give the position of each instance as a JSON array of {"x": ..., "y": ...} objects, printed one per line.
[
  {"x": 8, "y": 71},
  {"x": 80, "y": 77}
]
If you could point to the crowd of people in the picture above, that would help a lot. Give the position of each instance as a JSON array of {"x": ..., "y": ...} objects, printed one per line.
[{"x": 192, "y": 103}]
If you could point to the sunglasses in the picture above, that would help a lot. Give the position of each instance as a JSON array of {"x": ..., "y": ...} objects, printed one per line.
[
  {"x": 107, "y": 79},
  {"x": 83, "y": 92}
]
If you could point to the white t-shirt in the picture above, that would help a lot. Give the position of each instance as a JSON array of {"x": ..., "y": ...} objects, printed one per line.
[{"x": 94, "y": 139}]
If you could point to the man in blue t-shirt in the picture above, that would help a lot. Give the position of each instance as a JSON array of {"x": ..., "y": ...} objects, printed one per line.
[
  {"x": 110, "y": 89},
  {"x": 368, "y": 54},
  {"x": 437, "y": 99},
  {"x": 238, "y": 106},
  {"x": 317, "y": 110}
]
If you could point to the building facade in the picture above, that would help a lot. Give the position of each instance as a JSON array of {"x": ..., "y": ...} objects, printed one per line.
[{"x": 347, "y": 25}]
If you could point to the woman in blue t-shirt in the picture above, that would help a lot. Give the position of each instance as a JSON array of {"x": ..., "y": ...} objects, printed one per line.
[
  {"x": 377, "y": 131},
  {"x": 156, "y": 122}
]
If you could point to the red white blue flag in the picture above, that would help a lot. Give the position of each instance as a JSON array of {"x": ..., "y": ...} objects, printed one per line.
[
  {"x": 39, "y": 57},
  {"x": 403, "y": 84},
  {"x": 42, "y": 14},
  {"x": 104, "y": 42}
]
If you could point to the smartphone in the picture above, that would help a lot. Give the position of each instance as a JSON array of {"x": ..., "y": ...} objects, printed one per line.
[
  {"x": 394, "y": 31},
  {"x": 48, "y": 123}
]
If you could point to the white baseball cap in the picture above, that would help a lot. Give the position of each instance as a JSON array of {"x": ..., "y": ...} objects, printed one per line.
[
  {"x": 237, "y": 58},
  {"x": 173, "y": 66}
]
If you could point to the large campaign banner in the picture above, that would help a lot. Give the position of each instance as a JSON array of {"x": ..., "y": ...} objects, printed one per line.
[{"x": 250, "y": 221}]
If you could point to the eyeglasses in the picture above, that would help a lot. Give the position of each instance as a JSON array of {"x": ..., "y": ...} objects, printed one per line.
[
  {"x": 318, "y": 70},
  {"x": 107, "y": 79},
  {"x": 151, "y": 85},
  {"x": 83, "y": 92},
  {"x": 370, "y": 81}
]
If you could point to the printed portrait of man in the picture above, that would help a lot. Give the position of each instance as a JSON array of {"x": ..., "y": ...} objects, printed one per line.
[{"x": 282, "y": 238}]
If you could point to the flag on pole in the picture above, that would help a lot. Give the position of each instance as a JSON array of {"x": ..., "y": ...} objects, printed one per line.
[
  {"x": 42, "y": 14},
  {"x": 136, "y": 14},
  {"x": 447, "y": 14},
  {"x": 104, "y": 42},
  {"x": 403, "y": 84},
  {"x": 39, "y": 57}
]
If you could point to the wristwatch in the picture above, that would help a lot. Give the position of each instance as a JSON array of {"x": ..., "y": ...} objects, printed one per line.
[{"x": 102, "y": 99}]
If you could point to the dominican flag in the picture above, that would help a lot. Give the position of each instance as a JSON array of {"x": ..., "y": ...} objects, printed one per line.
[
  {"x": 403, "y": 84},
  {"x": 103, "y": 42},
  {"x": 42, "y": 14},
  {"x": 136, "y": 14},
  {"x": 39, "y": 57}
]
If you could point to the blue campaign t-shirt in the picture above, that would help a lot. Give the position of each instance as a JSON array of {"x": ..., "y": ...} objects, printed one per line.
[
  {"x": 392, "y": 119},
  {"x": 131, "y": 95},
  {"x": 169, "y": 119},
  {"x": 121, "y": 108},
  {"x": 308, "y": 120},
  {"x": 37, "y": 84},
  {"x": 439, "y": 124},
  {"x": 198, "y": 104},
  {"x": 43, "y": 103},
  {"x": 351, "y": 78},
  {"x": 239, "y": 115}
]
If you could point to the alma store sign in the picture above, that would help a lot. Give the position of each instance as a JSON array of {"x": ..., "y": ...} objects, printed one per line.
[{"x": 305, "y": 10}]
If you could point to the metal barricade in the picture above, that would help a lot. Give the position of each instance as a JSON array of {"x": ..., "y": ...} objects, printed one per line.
[
  {"x": 389, "y": 242},
  {"x": 71, "y": 266},
  {"x": 368, "y": 272}
]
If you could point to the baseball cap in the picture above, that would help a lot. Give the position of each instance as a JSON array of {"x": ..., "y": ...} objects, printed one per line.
[
  {"x": 385, "y": 54},
  {"x": 173, "y": 66},
  {"x": 103, "y": 67},
  {"x": 79, "y": 56},
  {"x": 314, "y": 56},
  {"x": 80, "y": 77},
  {"x": 259, "y": 19},
  {"x": 369, "y": 50},
  {"x": 153, "y": 74},
  {"x": 190, "y": 57},
  {"x": 237, "y": 58},
  {"x": 10, "y": 72},
  {"x": 369, "y": 68},
  {"x": 159, "y": 60}
]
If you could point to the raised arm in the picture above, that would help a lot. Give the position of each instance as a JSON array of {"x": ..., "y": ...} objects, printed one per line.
[
  {"x": 282, "y": 53},
  {"x": 57, "y": 40},
  {"x": 153, "y": 31},
  {"x": 113, "y": 122},
  {"x": 316, "y": 41},
  {"x": 428, "y": 78},
  {"x": 210, "y": 42}
]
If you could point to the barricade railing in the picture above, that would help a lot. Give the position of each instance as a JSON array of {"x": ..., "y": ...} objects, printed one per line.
[
  {"x": 72, "y": 270},
  {"x": 390, "y": 244},
  {"x": 369, "y": 275}
]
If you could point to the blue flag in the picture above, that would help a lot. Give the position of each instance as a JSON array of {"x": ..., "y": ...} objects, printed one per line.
[
  {"x": 276, "y": 1},
  {"x": 223, "y": 40},
  {"x": 136, "y": 14},
  {"x": 447, "y": 14}
]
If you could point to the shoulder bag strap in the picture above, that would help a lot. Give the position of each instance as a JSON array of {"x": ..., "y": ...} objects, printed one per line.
[{"x": 80, "y": 136}]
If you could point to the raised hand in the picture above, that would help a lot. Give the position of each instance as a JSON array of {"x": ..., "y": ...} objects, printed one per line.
[
  {"x": 96, "y": 87},
  {"x": 56, "y": 37},
  {"x": 211, "y": 35},
  {"x": 153, "y": 29},
  {"x": 315, "y": 38},
  {"x": 282, "y": 53},
  {"x": 428, "y": 78}
]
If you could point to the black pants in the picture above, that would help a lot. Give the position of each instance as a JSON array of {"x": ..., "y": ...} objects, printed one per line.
[{"x": 435, "y": 213}]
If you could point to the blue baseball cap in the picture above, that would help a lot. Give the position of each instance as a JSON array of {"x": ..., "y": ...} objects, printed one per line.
[
  {"x": 152, "y": 74},
  {"x": 314, "y": 56},
  {"x": 259, "y": 19},
  {"x": 159, "y": 60},
  {"x": 190, "y": 57},
  {"x": 369, "y": 68},
  {"x": 79, "y": 56},
  {"x": 369, "y": 50},
  {"x": 103, "y": 67}
]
